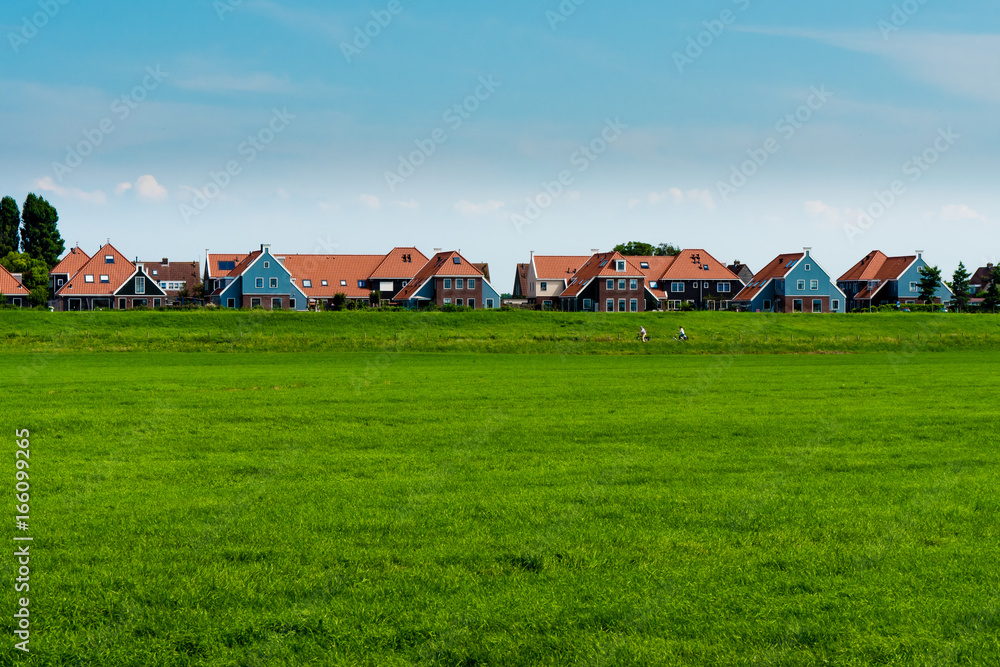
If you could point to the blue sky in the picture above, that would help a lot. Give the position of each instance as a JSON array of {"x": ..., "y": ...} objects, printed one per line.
[{"x": 742, "y": 127}]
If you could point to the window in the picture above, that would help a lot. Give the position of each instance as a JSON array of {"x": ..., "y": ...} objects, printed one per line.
[
  {"x": 274, "y": 283},
  {"x": 633, "y": 306},
  {"x": 588, "y": 305},
  {"x": 705, "y": 285},
  {"x": 267, "y": 265},
  {"x": 230, "y": 303},
  {"x": 105, "y": 278},
  {"x": 163, "y": 284},
  {"x": 122, "y": 304},
  {"x": 814, "y": 285},
  {"x": 914, "y": 287},
  {"x": 620, "y": 265},
  {"x": 447, "y": 283},
  {"x": 723, "y": 288},
  {"x": 156, "y": 303},
  {"x": 767, "y": 305},
  {"x": 800, "y": 285},
  {"x": 808, "y": 267},
  {"x": 456, "y": 260},
  {"x": 459, "y": 302},
  {"x": 621, "y": 305},
  {"x": 472, "y": 283},
  {"x": 260, "y": 283},
  {"x": 307, "y": 283},
  {"x": 797, "y": 306},
  {"x": 835, "y": 305},
  {"x": 362, "y": 283},
  {"x": 227, "y": 266},
  {"x": 109, "y": 259},
  {"x": 472, "y": 303},
  {"x": 633, "y": 284},
  {"x": 447, "y": 301},
  {"x": 643, "y": 265},
  {"x": 59, "y": 282},
  {"x": 89, "y": 278},
  {"x": 611, "y": 284},
  {"x": 544, "y": 287},
  {"x": 255, "y": 302},
  {"x": 324, "y": 283},
  {"x": 817, "y": 306},
  {"x": 489, "y": 303},
  {"x": 276, "y": 303},
  {"x": 343, "y": 283},
  {"x": 405, "y": 283},
  {"x": 653, "y": 284},
  {"x": 674, "y": 305},
  {"x": 459, "y": 283},
  {"x": 676, "y": 287},
  {"x": 291, "y": 304},
  {"x": 140, "y": 285},
  {"x": 610, "y": 305},
  {"x": 155, "y": 272}
]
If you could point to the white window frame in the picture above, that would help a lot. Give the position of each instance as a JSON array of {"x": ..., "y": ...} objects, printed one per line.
[
  {"x": 275, "y": 299},
  {"x": 140, "y": 285},
  {"x": 622, "y": 306},
  {"x": 813, "y": 285},
  {"x": 619, "y": 265},
  {"x": 835, "y": 305},
  {"x": 459, "y": 283},
  {"x": 274, "y": 283},
  {"x": 588, "y": 305},
  {"x": 610, "y": 305},
  {"x": 259, "y": 283},
  {"x": 470, "y": 283},
  {"x": 633, "y": 306},
  {"x": 447, "y": 284},
  {"x": 800, "y": 286},
  {"x": 447, "y": 302},
  {"x": 674, "y": 287},
  {"x": 543, "y": 287},
  {"x": 471, "y": 303},
  {"x": 307, "y": 283},
  {"x": 230, "y": 303},
  {"x": 817, "y": 302},
  {"x": 88, "y": 278},
  {"x": 723, "y": 288},
  {"x": 255, "y": 305},
  {"x": 633, "y": 284},
  {"x": 611, "y": 284}
]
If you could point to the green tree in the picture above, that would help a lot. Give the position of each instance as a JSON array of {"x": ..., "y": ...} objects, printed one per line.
[
  {"x": 10, "y": 222},
  {"x": 39, "y": 232},
  {"x": 991, "y": 299},
  {"x": 375, "y": 299},
  {"x": 930, "y": 281},
  {"x": 667, "y": 250},
  {"x": 640, "y": 249},
  {"x": 960, "y": 286},
  {"x": 339, "y": 299},
  {"x": 34, "y": 275}
]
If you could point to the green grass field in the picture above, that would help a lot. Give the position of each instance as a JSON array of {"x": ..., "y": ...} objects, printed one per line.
[{"x": 587, "y": 505}]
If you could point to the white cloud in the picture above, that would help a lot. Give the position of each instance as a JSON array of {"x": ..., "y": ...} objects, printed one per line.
[
  {"x": 371, "y": 201},
  {"x": 122, "y": 188},
  {"x": 411, "y": 204},
  {"x": 819, "y": 209},
  {"x": 147, "y": 188},
  {"x": 959, "y": 212},
  {"x": 468, "y": 208},
  {"x": 47, "y": 184}
]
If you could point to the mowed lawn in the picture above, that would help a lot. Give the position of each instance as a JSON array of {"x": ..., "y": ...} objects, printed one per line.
[{"x": 478, "y": 509}]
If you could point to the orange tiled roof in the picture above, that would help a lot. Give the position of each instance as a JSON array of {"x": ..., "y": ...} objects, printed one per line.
[
  {"x": 690, "y": 265},
  {"x": 399, "y": 263},
  {"x": 9, "y": 285},
  {"x": 334, "y": 269},
  {"x": 654, "y": 267},
  {"x": 778, "y": 268},
  {"x": 71, "y": 263},
  {"x": 557, "y": 267},
  {"x": 600, "y": 265},
  {"x": 441, "y": 265},
  {"x": 118, "y": 271},
  {"x": 213, "y": 260},
  {"x": 876, "y": 266}
]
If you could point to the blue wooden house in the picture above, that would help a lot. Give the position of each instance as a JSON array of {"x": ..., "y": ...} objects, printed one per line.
[
  {"x": 879, "y": 280},
  {"x": 260, "y": 281},
  {"x": 792, "y": 283}
]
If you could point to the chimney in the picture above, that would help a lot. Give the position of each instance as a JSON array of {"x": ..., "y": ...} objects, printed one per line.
[
  {"x": 807, "y": 251},
  {"x": 437, "y": 250},
  {"x": 164, "y": 262},
  {"x": 594, "y": 251},
  {"x": 920, "y": 254},
  {"x": 265, "y": 247}
]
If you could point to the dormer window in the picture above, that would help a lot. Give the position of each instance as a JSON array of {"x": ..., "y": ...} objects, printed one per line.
[
  {"x": 456, "y": 260},
  {"x": 620, "y": 265},
  {"x": 105, "y": 278},
  {"x": 89, "y": 278},
  {"x": 267, "y": 265},
  {"x": 109, "y": 259},
  {"x": 652, "y": 284},
  {"x": 643, "y": 265}
]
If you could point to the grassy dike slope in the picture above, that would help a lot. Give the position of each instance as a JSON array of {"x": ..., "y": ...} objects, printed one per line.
[{"x": 507, "y": 332}]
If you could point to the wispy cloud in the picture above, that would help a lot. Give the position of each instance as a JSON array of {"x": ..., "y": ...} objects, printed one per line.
[
  {"x": 371, "y": 201},
  {"x": 959, "y": 212},
  {"x": 48, "y": 185}
]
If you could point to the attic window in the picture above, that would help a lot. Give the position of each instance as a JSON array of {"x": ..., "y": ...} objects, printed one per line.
[
  {"x": 109, "y": 259},
  {"x": 267, "y": 265},
  {"x": 705, "y": 267},
  {"x": 307, "y": 283},
  {"x": 89, "y": 278},
  {"x": 456, "y": 260},
  {"x": 808, "y": 267},
  {"x": 652, "y": 284},
  {"x": 643, "y": 265},
  {"x": 227, "y": 266},
  {"x": 343, "y": 283},
  {"x": 105, "y": 279},
  {"x": 620, "y": 265},
  {"x": 602, "y": 263},
  {"x": 155, "y": 272}
]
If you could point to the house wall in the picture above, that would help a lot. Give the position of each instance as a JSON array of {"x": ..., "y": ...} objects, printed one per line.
[
  {"x": 695, "y": 291},
  {"x": 602, "y": 294},
  {"x": 440, "y": 293},
  {"x": 825, "y": 289}
]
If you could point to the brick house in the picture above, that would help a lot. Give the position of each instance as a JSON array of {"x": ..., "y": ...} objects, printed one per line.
[
  {"x": 548, "y": 276},
  {"x": 606, "y": 282},
  {"x": 109, "y": 281},
  {"x": 449, "y": 279},
  {"x": 322, "y": 277},
  {"x": 172, "y": 277},
  {"x": 67, "y": 267}
]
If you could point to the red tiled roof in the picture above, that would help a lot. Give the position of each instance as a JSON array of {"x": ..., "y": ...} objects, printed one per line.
[
  {"x": 440, "y": 265},
  {"x": 71, "y": 263},
  {"x": 399, "y": 263},
  {"x": 333, "y": 269},
  {"x": 117, "y": 271},
  {"x": 658, "y": 265},
  {"x": 601, "y": 265},
  {"x": 189, "y": 272},
  {"x": 557, "y": 267},
  {"x": 778, "y": 268},
  {"x": 876, "y": 266},
  {"x": 245, "y": 264},
  {"x": 213, "y": 260},
  {"x": 690, "y": 265},
  {"x": 10, "y": 286}
]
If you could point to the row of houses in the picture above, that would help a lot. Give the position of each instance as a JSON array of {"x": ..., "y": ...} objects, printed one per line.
[
  {"x": 790, "y": 283},
  {"x": 600, "y": 282}
]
